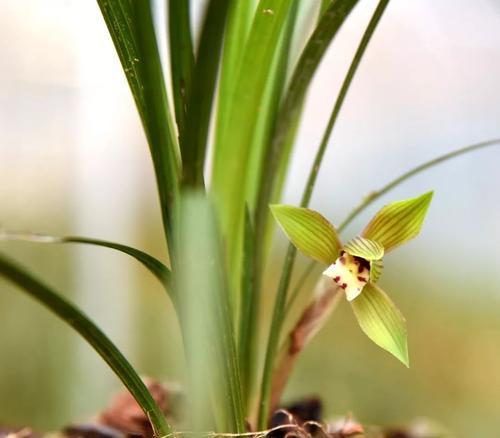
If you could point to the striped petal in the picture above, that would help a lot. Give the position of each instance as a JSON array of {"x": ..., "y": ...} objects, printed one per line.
[
  {"x": 309, "y": 232},
  {"x": 370, "y": 251},
  {"x": 381, "y": 321},
  {"x": 376, "y": 269},
  {"x": 398, "y": 222},
  {"x": 366, "y": 248}
]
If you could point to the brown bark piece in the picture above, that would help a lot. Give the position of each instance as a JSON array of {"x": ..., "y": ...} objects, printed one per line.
[{"x": 126, "y": 415}]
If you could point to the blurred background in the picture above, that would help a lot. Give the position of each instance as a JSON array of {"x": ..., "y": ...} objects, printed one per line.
[{"x": 73, "y": 160}]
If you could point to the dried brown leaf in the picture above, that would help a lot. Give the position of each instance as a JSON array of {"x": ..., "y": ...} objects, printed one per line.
[{"x": 125, "y": 415}]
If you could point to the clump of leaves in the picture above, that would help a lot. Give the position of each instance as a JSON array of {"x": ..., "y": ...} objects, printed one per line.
[{"x": 244, "y": 81}]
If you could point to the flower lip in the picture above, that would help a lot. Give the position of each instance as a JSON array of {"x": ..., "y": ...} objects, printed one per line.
[{"x": 351, "y": 273}]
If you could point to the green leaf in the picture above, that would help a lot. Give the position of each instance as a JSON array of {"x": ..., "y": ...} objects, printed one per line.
[
  {"x": 130, "y": 25},
  {"x": 248, "y": 308},
  {"x": 381, "y": 321},
  {"x": 200, "y": 103},
  {"x": 398, "y": 222},
  {"x": 309, "y": 231},
  {"x": 93, "y": 335},
  {"x": 239, "y": 20},
  {"x": 200, "y": 280},
  {"x": 365, "y": 248},
  {"x": 181, "y": 58},
  {"x": 274, "y": 337},
  {"x": 323, "y": 7},
  {"x": 328, "y": 26},
  {"x": 236, "y": 131},
  {"x": 271, "y": 100},
  {"x": 261, "y": 133},
  {"x": 339, "y": 101},
  {"x": 157, "y": 268}
]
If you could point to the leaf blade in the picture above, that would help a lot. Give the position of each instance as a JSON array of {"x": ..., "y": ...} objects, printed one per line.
[
  {"x": 155, "y": 266},
  {"x": 93, "y": 335},
  {"x": 130, "y": 25},
  {"x": 200, "y": 102},
  {"x": 206, "y": 316},
  {"x": 181, "y": 58},
  {"x": 328, "y": 26},
  {"x": 242, "y": 114},
  {"x": 248, "y": 307},
  {"x": 381, "y": 321}
]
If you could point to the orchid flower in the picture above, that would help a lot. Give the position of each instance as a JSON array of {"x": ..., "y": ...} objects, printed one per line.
[{"x": 357, "y": 266}]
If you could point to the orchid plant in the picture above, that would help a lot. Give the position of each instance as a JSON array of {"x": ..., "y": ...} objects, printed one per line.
[
  {"x": 244, "y": 80},
  {"x": 357, "y": 266}
]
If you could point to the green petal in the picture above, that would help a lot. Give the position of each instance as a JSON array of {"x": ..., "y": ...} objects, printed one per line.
[
  {"x": 369, "y": 250},
  {"x": 309, "y": 232},
  {"x": 381, "y": 321},
  {"x": 398, "y": 222},
  {"x": 376, "y": 269},
  {"x": 365, "y": 248}
]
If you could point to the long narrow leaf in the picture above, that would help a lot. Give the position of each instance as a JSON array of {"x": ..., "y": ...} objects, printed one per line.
[
  {"x": 181, "y": 58},
  {"x": 155, "y": 266},
  {"x": 206, "y": 317},
  {"x": 232, "y": 151},
  {"x": 346, "y": 84},
  {"x": 328, "y": 26},
  {"x": 93, "y": 335},
  {"x": 239, "y": 19},
  {"x": 202, "y": 92},
  {"x": 323, "y": 7},
  {"x": 130, "y": 25},
  {"x": 261, "y": 137},
  {"x": 248, "y": 308},
  {"x": 274, "y": 336}
]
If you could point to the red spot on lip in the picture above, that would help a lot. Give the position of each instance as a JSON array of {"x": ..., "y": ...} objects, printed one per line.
[
  {"x": 361, "y": 279},
  {"x": 343, "y": 285}
]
